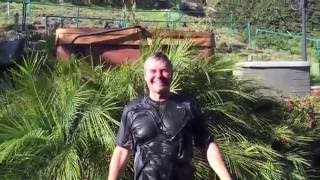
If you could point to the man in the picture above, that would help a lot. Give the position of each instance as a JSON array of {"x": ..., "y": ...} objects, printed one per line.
[{"x": 160, "y": 129}]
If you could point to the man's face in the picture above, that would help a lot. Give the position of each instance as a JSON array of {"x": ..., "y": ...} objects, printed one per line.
[{"x": 157, "y": 75}]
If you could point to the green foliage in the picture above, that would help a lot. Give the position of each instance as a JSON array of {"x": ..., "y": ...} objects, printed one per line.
[
  {"x": 54, "y": 124},
  {"x": 282, "y": 15},
  {"x": 59, "y": 120},
  {"x": 290, "y": 45}
]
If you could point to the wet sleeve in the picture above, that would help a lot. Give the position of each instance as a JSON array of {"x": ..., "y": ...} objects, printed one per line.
[
  {"x": 124, "y": 136},
  {"x": 202, "y": 135}
]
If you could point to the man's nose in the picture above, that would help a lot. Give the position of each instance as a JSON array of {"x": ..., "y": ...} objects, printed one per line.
[{"x": 158, "y": 74}]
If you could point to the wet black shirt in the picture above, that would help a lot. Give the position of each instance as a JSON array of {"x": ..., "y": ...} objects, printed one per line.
[{"x": 161, "y": 136}]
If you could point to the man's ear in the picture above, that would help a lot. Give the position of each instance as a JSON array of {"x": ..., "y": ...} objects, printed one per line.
[
  {"x": 145, "y": 89},
  {"x": 145, "y": 79}
]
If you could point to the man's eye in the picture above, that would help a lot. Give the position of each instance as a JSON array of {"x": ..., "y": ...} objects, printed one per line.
[{"x": 165, "y": 71}]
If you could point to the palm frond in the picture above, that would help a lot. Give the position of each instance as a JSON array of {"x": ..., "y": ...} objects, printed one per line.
[{"x": 65, "y": 166}]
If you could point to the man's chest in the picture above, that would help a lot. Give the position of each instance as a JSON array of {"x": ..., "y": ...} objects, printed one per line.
[{"x": 167, "y": 120}]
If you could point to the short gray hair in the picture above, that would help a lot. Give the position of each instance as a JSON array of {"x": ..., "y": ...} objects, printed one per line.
[{"x": 159, "y": 56}]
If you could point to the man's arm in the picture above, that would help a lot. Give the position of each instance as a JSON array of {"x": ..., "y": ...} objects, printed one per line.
[
  {"x": 118, "y": 162},
  {"x": 216, "y": 162}
]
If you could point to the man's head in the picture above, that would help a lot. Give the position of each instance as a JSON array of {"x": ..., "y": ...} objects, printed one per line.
[{"x": 158, "y": 73}]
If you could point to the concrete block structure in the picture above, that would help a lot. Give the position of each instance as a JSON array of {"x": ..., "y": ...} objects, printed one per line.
[{"x": 282, "y": 78}]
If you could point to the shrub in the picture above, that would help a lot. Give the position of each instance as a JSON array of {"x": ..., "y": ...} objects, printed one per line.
[{"x": 59, "y": 120}]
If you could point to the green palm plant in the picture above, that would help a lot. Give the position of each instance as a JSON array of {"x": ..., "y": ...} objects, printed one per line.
[
  {"x": 59, "y": 120},
  {"x": 244, "y": 132},
  {"x": 55, "y": 124}
]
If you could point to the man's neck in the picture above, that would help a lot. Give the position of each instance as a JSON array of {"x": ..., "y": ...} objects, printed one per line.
[{"x": 159, "y": 97}]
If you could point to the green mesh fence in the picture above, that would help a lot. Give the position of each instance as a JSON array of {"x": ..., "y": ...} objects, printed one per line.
[{"x": 261, "y": 38}]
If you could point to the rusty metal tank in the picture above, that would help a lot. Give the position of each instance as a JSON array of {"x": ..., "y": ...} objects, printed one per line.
[{"x": 123, "y": 45}]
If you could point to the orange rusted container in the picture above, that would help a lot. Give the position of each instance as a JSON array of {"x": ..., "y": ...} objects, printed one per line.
[{"x": 123, "y": 45}]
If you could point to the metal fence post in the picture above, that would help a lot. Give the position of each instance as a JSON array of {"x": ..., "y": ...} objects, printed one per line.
[
  {"x": 249, "y": 34},
  {"x": 46, "y": 24},
  {"x": 61, "y": 21},
  {"x": 318, "y": 47},
  {"x": 8, "y": 9},
  {"x": 78, "y": 14},
  {"x": 231, "y": 20},
  {"x": 318, "y": 53},
  {"x": 16, "y": 21},
  {"x": 29, "y": 8},
  {"x": 24, "y": 15},
  {"x": 303, "y": 9},
  {"x": 231, "y": 24}
]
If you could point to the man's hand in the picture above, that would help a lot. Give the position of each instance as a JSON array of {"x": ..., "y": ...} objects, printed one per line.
[
  {"x": 118, "y": 162},
  {"x": 216, "y": 162}
]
